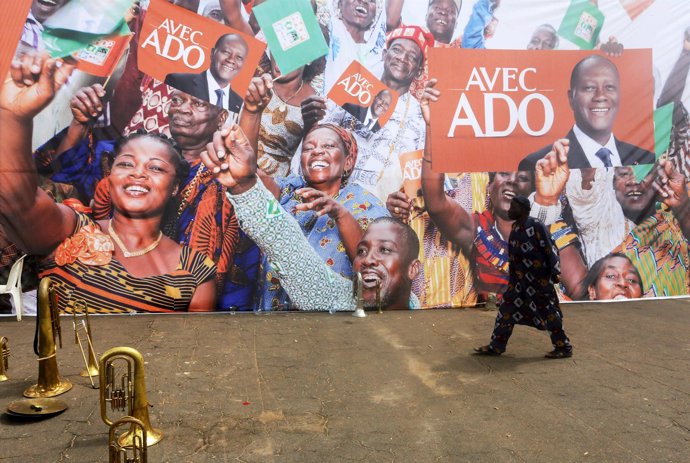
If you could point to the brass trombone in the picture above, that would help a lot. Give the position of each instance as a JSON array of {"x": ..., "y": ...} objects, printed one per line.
[
  {"x": 128, "y": 396},
  {"x": 82, "y": 324},
  {"x": 48, "y": 329},
  {"x": 121, "y": 454},
  {"x": 4, "y": 358}
]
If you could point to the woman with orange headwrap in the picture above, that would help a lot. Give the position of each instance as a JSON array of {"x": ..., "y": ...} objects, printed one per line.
[{"x": 332, "y": 212}]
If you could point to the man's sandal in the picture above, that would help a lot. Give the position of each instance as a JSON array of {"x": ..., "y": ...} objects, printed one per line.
[
  {"x": 486, "y": 350},
  {"x": 559, "y": 354}
]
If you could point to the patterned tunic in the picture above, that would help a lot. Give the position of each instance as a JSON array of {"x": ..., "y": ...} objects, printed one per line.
[
  {"x": 321, "y": 232},
  {"x": 661, "y": 254},
  {"x": 531, "y": 298},
  {"x": 110, "y": 288},
  {"x": 534, "y": 268}
]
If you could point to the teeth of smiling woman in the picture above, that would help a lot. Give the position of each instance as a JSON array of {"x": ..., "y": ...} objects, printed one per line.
[
  {"x": 509, "y": 194},
  {"x": 319, "y": 165},
  {"x": 634, "y": 193},
  {"x": 619, "y": 296},
  {"x": 361, "y": 9},
  {"x": 599, "y": 110},
  {"x": 441, "y": 22},
  {"x": 137, "y": 189}
]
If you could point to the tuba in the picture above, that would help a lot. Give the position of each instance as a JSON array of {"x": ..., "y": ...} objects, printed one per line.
[
  {"x": 134, "y": 454},
  {"x": 83, "y": 325},
  {"x": 49, "y": 382},
  {"x": 127, "y": 395},
  {"x": 357, "y": 284},
  {"x": 4, "y": 359}
]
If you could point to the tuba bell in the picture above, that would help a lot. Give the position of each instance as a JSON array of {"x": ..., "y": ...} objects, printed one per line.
[
  {"x": 127, "y": 395},
  {"x": 48, "y": 330},
  {"x": 357, "y": 284},
  {"x": 4, "y": 359},
  {"x": 81, "y": 324},
  {"x": 121, "y": 454}
]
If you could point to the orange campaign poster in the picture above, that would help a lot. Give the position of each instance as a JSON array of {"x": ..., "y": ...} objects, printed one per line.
[
  {"x": 361, "y": 94},
  {"x": 411, "y": 166},
  {"x": 198, "y": 55},
  {"x": 15, "y": 15},
  {"x": 500, "y": 110}
]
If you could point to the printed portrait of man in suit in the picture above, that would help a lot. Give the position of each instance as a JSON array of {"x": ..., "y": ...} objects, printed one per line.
[
  {"x": 214, "y": 84},
  {"x": 594, "y": 97},
  {"x": 369, "y": 117}
]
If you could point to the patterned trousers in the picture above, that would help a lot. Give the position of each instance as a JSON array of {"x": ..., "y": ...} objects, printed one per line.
[{"x": 508, "y": 316}]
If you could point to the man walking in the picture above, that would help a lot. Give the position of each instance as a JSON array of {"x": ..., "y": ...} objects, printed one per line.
[{"x": 531, "y": 298}]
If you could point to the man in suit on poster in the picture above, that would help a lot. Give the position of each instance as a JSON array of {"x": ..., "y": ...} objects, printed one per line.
[
  {"x": 214, "y": 84},
  {"x": 370, "y": 117},
  {"x": 594, "y": 97}
]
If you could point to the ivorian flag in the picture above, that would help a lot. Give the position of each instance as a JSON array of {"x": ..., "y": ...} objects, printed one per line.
[
  {"x": 292, "y": 32},
  {"x": 100, "y": 57},
  {"x": 82, "y": 22},
  {"x": 582, "y": 24},
  {"x": 663, "y": 124},
  {"x": 634, "y": 8}
]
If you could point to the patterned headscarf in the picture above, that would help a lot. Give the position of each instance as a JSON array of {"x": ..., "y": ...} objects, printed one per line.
[
  {"x": 417, "y": 34},
  {"x": 346, "y": 137}
]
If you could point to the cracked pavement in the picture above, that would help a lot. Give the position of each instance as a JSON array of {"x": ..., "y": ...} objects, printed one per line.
[{"x": 396, "y": 387}]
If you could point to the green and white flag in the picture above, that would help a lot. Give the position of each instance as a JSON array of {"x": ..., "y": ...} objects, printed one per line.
[
  {"x": 80, "y": 22},
  {"x": 292, "y": 32},
  {"x": 663, "y": 124},
  {"x": 582, "y": 24}
]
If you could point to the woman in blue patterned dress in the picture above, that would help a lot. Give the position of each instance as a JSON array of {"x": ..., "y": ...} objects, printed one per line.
[{"x": 332, "y": 212}]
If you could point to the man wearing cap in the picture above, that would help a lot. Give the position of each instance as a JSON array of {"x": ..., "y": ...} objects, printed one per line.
[
  {"x": 378, "y": 168},
  {"x": 531, "y": 298}
]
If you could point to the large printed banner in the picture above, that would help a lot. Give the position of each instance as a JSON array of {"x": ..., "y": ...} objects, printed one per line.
[
  {"x": 499, "y": 109},
  {"x": 122, "y": 141}
]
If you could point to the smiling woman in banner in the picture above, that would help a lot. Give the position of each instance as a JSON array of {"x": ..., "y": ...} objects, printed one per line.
[
  {"x": 332, "y": 212},
  {"x": 125, "y": 264}
]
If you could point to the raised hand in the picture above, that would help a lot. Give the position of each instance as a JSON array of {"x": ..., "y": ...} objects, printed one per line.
[
  {"x": 32, "y": 84},
  {"x": 87, "y": 104},
  {"x": 322, "y": 203},
  {"x": 552, "y": 173},
  {"x": 313, "y": 110},
  {"x": 231, "y": 159},
  {"x": 259, "y": 94},
  {"x": 430, "y": 94},
  {"x": 399, "y": 205},
  {"x": 670, "y": 185}
]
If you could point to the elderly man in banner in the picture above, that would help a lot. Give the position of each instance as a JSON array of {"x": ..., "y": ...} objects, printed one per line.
[{"x": 378, "y": 168}]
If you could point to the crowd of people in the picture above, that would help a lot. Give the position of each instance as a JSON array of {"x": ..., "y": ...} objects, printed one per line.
[{"x": 275, "y": 199}]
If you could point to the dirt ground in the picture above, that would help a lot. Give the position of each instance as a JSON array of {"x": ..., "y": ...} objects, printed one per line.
[{"x": 396, "y": 387}]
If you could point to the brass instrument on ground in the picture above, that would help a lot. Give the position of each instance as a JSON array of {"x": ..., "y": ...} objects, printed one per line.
[
  {"x": 136, "y": 453},
  {"x": 128, "y": 394},
  {"x": 4, "y": 359},
  {"x": 357, "y": 284},
  {"x": 81, "y": 323},
  {"x": 48, "y": 329}
]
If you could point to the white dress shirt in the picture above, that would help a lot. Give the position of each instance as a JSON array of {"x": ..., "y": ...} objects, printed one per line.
[
  {"x": 590, "y": 147},
  {"x": 213, "y": 86}
]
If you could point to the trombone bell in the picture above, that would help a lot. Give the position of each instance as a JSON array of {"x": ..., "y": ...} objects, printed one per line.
[
  {"x": 49, "y": 382},
  {"x": 128, "y": 394},
  {"x": 121, "y": 454},
  {"x": 4, "y": 359}
]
